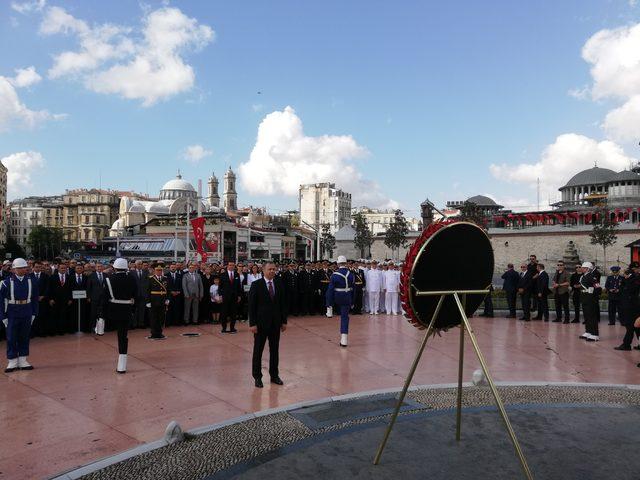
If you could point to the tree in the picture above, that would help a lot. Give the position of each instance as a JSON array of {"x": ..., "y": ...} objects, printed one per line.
[
  {"x": 470, "y": 212},
  {"x": 327, "y": 241},
  {"x": 13, "y": 248},
  {"x": 44, "y": 242},
  {"x": 363, "y": 238},
  {"x": 604, "y": 233},
  {"x": 396, "y": 235}
]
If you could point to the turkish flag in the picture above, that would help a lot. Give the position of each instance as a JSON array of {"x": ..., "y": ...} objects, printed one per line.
[{"x": 198, "y": 233}]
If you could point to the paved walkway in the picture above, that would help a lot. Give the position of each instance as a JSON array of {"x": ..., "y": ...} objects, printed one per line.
[{"x": 73, "y": 408}]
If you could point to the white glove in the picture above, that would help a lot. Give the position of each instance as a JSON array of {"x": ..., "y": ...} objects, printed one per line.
[
  {"x": 148, "y": 305},
  {"x": 33, "y": 317},
  {"x": 166, "y": 302},
  {"x": 6, "y": 322}
]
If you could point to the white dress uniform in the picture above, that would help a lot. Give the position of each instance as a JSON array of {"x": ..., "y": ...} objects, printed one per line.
[
  {"x": 374, "y": 285},
  {"x": 391, "y": 284},
  {"x": 365, "y": 296}
]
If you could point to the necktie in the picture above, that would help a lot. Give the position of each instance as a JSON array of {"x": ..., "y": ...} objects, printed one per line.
[
  {"x": 100, "y": 277},
  {"x": 62, "y": 279},
  {"x": 272, "y": 293},
  {"x": 231, "y": 276}
]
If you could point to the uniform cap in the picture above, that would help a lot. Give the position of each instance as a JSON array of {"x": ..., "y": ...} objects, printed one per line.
[
  {"x": 121, "y": 264},
  {"x": 342, "y": 259},
  {"x": 19, "y": 263},
  {"x": 587, "y": 265},
  {"x": 615, "y": 268}
]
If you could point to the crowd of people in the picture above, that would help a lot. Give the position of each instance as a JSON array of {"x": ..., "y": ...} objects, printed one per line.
[{"x": 584, "y": 287}]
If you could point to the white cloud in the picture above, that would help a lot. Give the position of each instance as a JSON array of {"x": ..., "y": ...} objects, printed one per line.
[
  {"x": 20, "y": 167},
  {"x": 195, "y": 153},
  {"x": 614, "y": 56},
  {"x": 568, "y": 155},
  {"x": 283, "y": 158},
  {"x": 146, "y": 65},
  {"x": 25, "y": 77},
  {"x": 623, "y": 123},
  {"x": 28, "y": 7},
  {"x": 15, "y": 113}
]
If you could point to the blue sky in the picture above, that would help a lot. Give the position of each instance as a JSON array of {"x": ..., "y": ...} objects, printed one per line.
[{"x": 431, "y": 93}]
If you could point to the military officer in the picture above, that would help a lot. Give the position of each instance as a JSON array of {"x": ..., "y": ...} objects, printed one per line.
[
  {"x": 588, "y": 299},
  {"x": 613, "y": 286},
  {"x": 120, "y": 290},
  {"x": 18, "y": 307},
  {"x": 323, "y": 279},
  {"x": 340, "y": 292},
  {"x": 358, "y": 285},
  {"x": 157, "y": 302}
]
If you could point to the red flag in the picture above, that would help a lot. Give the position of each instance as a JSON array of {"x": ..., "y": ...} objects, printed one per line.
[{"x": 198, "y": 234}]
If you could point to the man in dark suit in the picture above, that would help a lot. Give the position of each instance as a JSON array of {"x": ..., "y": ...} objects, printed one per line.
[
  {"x": 290, "y": 280},
  {"x": 267, "y": 318},
  {"x": 141, "y": 276},
  {"x": 510, "y": 287},
  {"x": 231, "y": 292},
  {"x": 78, "y": 282},
  {"x": 39, "y": 327},
  {"x": 174, "y": 284},
  {"x": 305, "y": 290},
  {"x": 95, "y": 291},
  {"x": 542, "y": 289},
  {"x": 59, "y": 294},
  {"x": 524, "y": 289}
]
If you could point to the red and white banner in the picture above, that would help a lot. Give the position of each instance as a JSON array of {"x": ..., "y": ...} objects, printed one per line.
[{"x": 198, "y": 234}]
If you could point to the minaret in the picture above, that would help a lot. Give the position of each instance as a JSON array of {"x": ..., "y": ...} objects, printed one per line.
[
  {"x": 214, "y": 198},
  {"x": 230, "y": 196}
]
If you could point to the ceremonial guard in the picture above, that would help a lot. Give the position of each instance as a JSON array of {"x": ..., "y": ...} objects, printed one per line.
[
  {"x": 612, "y": 286},
  {"x": 588, "y": 299},
  {"x": 157, "y": 302},
  {"x": 359, "y": 286},
  {"x": 340, "y": 292},
  {"x": 324, "y": 278},
  {"x": 19, "y": 306},
  {"x": 119, "y": 297},
  {"x": 630, "y": 305}
]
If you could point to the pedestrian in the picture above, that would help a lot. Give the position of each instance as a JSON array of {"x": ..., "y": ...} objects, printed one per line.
[
  {"x": 215, "y": 299},
  {"x": 18, "y": 307},
  {"x": 574, "y": 280},
  {"x": 231, "y": 292},
  {"x": 588, "y": 299},
  {"x": 192, "y": 291},
  {"x": 542, "y": 291}
]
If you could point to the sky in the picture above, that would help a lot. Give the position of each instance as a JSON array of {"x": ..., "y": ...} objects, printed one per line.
[{"x": 395, "y": 102}]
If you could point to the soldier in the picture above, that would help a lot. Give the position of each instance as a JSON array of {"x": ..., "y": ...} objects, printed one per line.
[
  {"x": 358, "y": 285},
  {"x": 19, "y": 307},
  {"x": 118, "y": 304},
  {"x": 374, "y": 283},
  {"x": 588, "y": 299},
  {"x": 305, "y": 290},
  {"x": 290, "y": 280},
  {"x": 391, "y": 282},
  {"x": 157, "y": 302},
  {"x": 340, "y": 292},
  {"x": 323, "y": 280},
  {"x": 612, "y": 287}
]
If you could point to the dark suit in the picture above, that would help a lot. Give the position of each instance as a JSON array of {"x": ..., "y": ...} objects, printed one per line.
[
  {"x": 542, "y": 289},
  {"x": 290, "y": 280},
  {"x": 95, "y": 290},
  {"x": 524, "y": 288},
  {"x": 39, "y": 327},
  {"x": 205, "y": 304},
  {"x": 60, "y": 295},
  {"x": 142, "y": 286},
  {"x": 305, "y": 292},
  {"x": 510, "y": 287},
  {"x": 80, "y": 284},
  {"x": 174, "y": 284},
  {"x": 230, "y": 291},
  {"x": 268, "y": 314}
]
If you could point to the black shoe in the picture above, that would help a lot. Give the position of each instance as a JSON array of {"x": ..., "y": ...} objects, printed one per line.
[
  {"x": 161, "y": 337},
  {"x": 9, "y": 370},
  {"x": 575, "y": 320},
  {"x": 233, "y": 331},
  {"x": 637, "y": 347},
  {"x": 612, "y": 323},
  {"x": 557, "y": 320},
  {"x": 258, "y": 383},
  {"x": 224, "y": 331},
  {"x": 277, "y": 381},
  {"x": 625, "y": 348}
]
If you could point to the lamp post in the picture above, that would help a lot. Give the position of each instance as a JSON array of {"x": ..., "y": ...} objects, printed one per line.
[{"x": 317, "y": 231}]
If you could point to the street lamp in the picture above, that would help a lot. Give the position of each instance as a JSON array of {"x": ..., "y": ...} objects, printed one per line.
[{"x": 317, "y": 231}]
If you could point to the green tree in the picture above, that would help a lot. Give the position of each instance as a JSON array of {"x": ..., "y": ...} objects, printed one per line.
[
  {"x": 363, "y": 238},
  {"x": 396, "y": 235},
  {"x": 327, "y": 241},
  {"x": 44, "y": 242},
  {"x": 470, "y": 212},
  {"x": 13, "y": 249},
  {"x": 603, "y": 233}
]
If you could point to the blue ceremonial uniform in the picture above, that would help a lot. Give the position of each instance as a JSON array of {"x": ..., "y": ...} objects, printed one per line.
[
  {"x": 340, "y": 292},
  {"x": 19, "y": 305}
]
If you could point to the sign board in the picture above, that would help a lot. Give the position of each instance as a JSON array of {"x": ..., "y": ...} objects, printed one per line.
[
  {"x": 79, "y": 294},
  {"x": 247, "y": 288}
]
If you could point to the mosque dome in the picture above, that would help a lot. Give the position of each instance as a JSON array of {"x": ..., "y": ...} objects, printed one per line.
[
  {"x": 177, "y": 188},
  {"x": 591, "y": 176}
]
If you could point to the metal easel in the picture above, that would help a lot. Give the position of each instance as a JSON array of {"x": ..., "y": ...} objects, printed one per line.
[{"x": 460, "y": 298}]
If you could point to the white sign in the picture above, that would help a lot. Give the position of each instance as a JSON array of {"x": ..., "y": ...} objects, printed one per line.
[{"x": 79, "y": 294}]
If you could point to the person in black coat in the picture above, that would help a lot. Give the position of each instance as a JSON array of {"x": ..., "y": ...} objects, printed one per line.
[
  {"x": 290, "y": 280},
  {"x": 175, "y": 315},
  {"x": 95, "y": 291},
  {"x": 267, "y": 318},
  {"x": 524, "y": 289},
  {"x": 510, "y": 287},
  {"x": 542, "y": 290},
  {"x": 204, "y": 311},
  {"x": 630, "y": 305},
  {"x": 40, "y": 324},
  {"x": 231, "y": 292},
  {"x": 574, "y": 281},
  {"x": 305, "y": 291},
  {"x": 59, "y": 295},
  {"x": 78, "y": 282}
]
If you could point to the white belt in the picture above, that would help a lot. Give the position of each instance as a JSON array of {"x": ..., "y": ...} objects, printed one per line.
[
  {"x": 122, "y": 302},
  {"x": 342, "y": 289},
  {"x": 18, "y": 302}
]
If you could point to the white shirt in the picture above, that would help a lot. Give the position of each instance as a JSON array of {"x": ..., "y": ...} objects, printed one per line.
[
  {"x": 252, "y": 278},
  {"x": 390, "y": 280}
]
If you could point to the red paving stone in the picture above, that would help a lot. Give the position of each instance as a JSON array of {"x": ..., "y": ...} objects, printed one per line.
[{"x": 73, "y": 409}]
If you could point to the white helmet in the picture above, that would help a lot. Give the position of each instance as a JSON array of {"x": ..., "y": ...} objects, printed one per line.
[
  {"x": 342, "y": 259},
  {"x": 19, "y": 263},
  {"x": 121, "y": 264},
  {"x": 588, "y": 265}
]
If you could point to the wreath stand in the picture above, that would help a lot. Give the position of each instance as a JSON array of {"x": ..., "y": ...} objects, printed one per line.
[{"x": 460, "y": 298}]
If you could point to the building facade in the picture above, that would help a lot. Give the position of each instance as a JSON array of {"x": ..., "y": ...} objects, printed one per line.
[
  {"x": 87, "y": 215},
  {"x": 378, "y": 221},
  {"x": 323, "y": 203},
  {"x": 4, "y": 213},
  {"x": 30, "y": 212}
]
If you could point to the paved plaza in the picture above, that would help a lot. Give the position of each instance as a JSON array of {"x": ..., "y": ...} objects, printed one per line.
[{"x": 73, "y": 409}]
